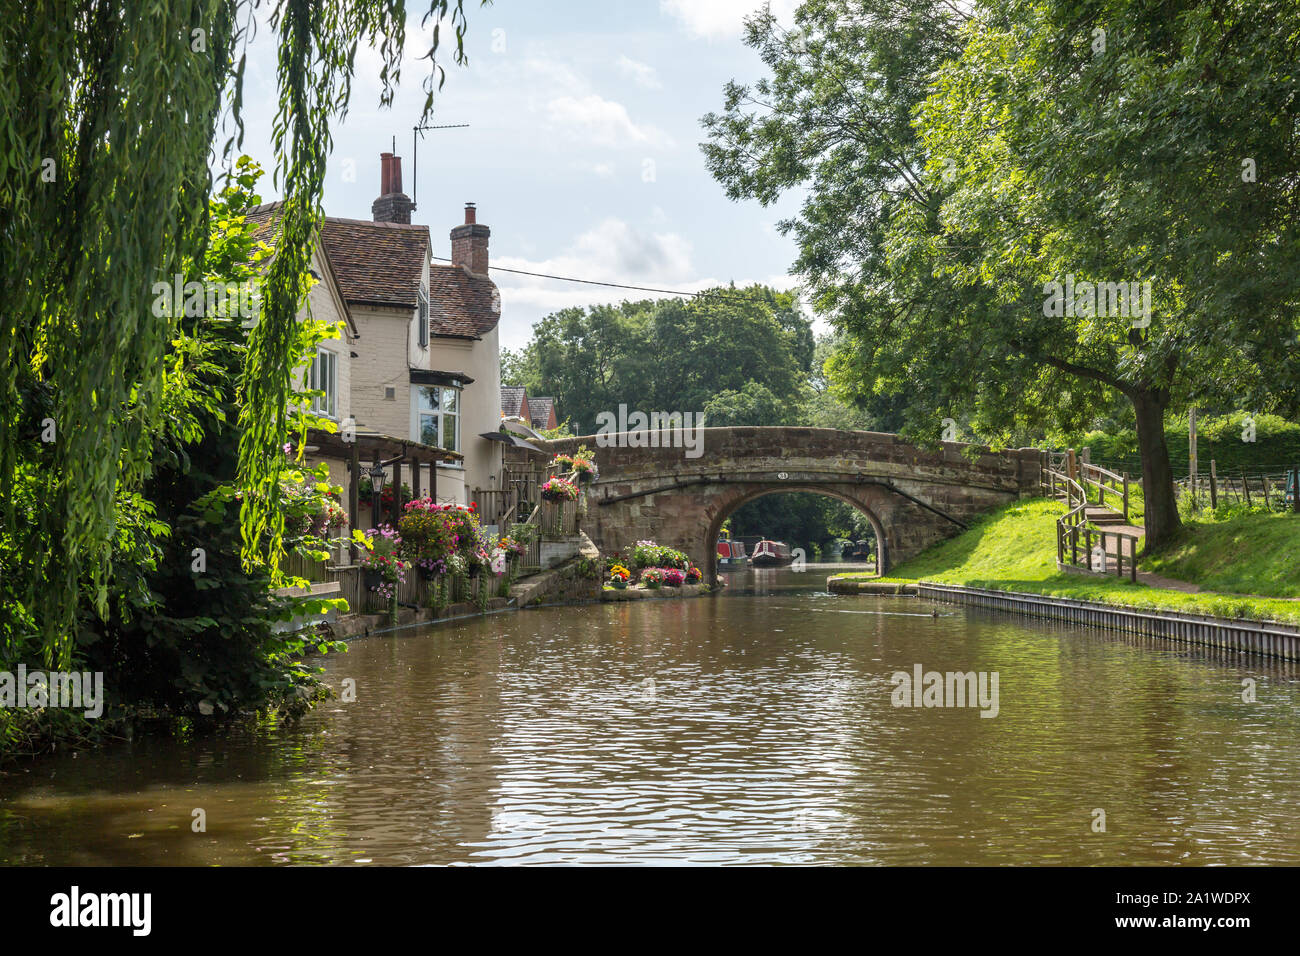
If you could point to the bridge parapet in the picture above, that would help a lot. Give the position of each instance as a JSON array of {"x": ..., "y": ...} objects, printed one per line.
[{"x": 655, "y": 485}]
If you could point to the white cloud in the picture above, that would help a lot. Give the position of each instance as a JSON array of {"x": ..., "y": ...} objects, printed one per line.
[
  {"x": 611, "y": 251},
  {"x": 719, "y": 19},
  {"x": 642, "y": 74},
  {"x": 600, "y": 122}
]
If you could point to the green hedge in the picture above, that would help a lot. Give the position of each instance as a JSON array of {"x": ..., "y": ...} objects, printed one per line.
[{"x": 1276, "y": 447}]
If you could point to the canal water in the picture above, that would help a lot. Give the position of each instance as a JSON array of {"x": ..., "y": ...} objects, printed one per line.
[{"x": 757, "y": 726}]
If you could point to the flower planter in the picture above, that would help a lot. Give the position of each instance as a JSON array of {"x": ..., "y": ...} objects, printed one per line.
[{"x": 618, "y": 585}]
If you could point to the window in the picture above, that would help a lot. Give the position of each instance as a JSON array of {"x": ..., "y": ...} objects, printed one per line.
[
  {"x": 324, "y": 377},
  {"x": 438, "y": 416},
  {"x": 424, "y": 318}
]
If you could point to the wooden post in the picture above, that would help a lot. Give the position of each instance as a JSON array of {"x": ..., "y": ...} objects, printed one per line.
[
  {"x": 1191, "y": 453},
  {"x": 396, "y": 513},
  {"x": 1214, "y": 486},
  {"x": 1295, "y": 490},
  {"x": 1245, "y": 485},
  {"x": 1126, "y": 497},
  {"x": 433, "y": 481},
  {"x": 354, "y": 496},
  {"x": 1119, "y": 555},
  {"x": 1133, "y": 562},
  {"x": 1060, "y": 545},
  {"x": 1087, "y": 545},
  {"x": 1071, "y": 469},
  {"x": 1268, "y": 501}
]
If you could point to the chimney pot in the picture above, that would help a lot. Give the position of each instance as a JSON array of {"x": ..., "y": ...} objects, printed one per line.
[
  {"x": 469, "y": 243},
  {"x": 392, "y": 205}
]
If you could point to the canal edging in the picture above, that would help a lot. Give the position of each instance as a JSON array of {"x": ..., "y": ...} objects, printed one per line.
[{"x": 1263, "y": 638}]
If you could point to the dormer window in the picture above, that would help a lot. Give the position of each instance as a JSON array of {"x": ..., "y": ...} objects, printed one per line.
[{"x": 424, "y": 317}]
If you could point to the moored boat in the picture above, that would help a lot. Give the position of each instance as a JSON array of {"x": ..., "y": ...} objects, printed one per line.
[
  {"x": 731, "y": 555},
  {"x": 771, "y": 554}
]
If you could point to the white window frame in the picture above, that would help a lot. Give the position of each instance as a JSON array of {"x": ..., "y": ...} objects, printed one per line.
[
  {"x": 441, "y": 414},
  {"x": 422, "y": 317},
  {"x": 324, "y": 376}
]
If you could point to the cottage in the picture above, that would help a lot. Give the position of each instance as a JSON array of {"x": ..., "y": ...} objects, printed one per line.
[{"x": 418, "y": 372}]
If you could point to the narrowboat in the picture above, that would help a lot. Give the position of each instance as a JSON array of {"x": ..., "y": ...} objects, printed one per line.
[
  {"x": 731, "y": 555},
  {"x": 857, "y": 551},
  {"x": 771, "y": 554}
]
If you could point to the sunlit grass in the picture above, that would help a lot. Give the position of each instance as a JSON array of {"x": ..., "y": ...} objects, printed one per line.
[{"x": 1014, "y": 549}]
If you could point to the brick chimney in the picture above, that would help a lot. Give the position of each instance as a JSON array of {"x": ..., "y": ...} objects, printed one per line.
[
  {"x": 469, "y": 244},
  {"x": 393, "y": 205}
]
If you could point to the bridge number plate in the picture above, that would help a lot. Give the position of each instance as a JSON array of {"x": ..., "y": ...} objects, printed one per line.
[{"x": 782, "y": 475}]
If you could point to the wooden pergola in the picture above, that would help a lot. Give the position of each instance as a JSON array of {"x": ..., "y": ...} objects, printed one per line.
[{"x": 363, "y": 450}]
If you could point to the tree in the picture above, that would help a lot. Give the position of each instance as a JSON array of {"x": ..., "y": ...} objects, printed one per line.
[
  {"x": 667, "y": 355},
  {"x": 1037, "y": 153},
  {"x": 110, "y": 110}
]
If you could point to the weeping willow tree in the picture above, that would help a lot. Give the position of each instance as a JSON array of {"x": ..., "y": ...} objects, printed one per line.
[{"x": 110, "y": 115}]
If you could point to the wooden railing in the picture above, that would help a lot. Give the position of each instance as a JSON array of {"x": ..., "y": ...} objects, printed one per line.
[
  {"x": 1106, "y": 482},
  {"x": 1074, "y": 526},
  {"x": 1066, "y": 474}
]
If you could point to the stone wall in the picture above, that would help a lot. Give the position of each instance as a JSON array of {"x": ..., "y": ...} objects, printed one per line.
[{"x": 655, "y": 491}]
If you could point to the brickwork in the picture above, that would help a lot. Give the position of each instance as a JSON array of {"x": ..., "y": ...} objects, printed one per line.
[{"x": 660, "y": 494}]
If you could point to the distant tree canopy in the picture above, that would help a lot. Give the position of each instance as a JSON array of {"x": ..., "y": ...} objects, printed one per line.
[
  {"x": 956, "y": 159},
  {"x": 740, "y": 356}
]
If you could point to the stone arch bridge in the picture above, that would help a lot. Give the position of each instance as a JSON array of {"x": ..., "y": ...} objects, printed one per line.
[{"x": 913, "y": 497}]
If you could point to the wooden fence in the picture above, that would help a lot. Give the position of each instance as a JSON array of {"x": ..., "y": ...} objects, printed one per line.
[{"x": 1274, "y": 490}]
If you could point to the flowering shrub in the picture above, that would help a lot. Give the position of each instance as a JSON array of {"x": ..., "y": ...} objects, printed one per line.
[
  {"x": 647, "y": 554},
  {"x": 432, "y": 534},
  {"x": 652, "y": 578},
  {"x": 559, "y": 489},
  {"x": 513, "y": 548},
  {"x": 674, "y": 577}
]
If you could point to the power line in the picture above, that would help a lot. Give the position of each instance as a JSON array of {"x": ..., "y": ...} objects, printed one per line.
[{"x": 618, "y": 285}]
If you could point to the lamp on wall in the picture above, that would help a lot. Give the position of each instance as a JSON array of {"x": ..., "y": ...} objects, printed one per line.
[{"x": 377, "y": 478}]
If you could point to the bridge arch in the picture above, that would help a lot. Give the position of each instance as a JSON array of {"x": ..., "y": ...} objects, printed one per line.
[
  {"x": 658, "y": 488},
  {"x": 743, "y": 495}
]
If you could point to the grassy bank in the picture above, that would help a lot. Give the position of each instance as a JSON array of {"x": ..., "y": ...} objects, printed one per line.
[{"x": 1014, "y": 549}]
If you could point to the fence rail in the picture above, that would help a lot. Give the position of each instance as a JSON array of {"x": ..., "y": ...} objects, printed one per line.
[{"x": 1274, "y": 490}]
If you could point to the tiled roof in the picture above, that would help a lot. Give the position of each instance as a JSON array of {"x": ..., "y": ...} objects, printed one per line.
[
  {"x": 378, "y": 263},
  {"x": 461, "y": 304},
  {"x": 512, "y": 399},
  {"x": 540, "y": 411}
]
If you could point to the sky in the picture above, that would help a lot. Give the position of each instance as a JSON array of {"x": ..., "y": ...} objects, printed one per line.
[{"x": 582, "y": 152}]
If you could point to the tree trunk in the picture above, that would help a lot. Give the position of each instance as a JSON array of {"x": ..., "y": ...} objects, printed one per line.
[{"x": 1161, "y": 516}]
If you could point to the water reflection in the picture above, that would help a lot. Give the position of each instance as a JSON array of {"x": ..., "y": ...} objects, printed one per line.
[{"x": 749, "y": 728}]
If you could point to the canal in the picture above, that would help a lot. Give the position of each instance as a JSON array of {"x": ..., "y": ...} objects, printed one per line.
[{"x": 752, "y": 727}]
